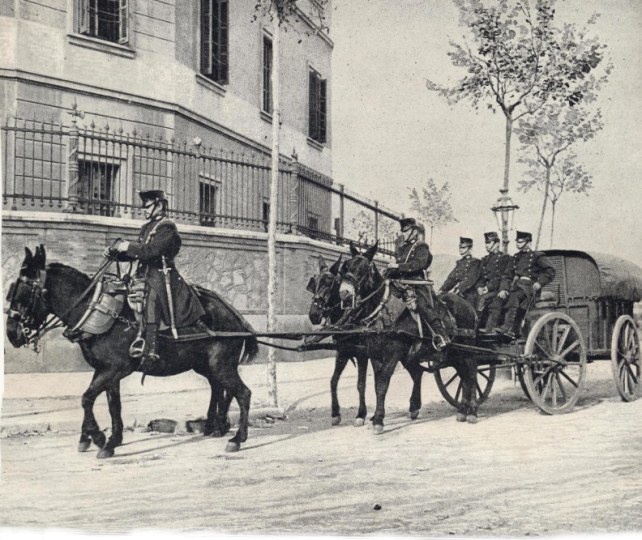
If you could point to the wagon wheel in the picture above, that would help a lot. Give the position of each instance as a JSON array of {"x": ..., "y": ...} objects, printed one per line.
[
  {"x": 625, "y": 358},
  {"x": 556, "y": 363},
  {"x": 449, "y": 384}
]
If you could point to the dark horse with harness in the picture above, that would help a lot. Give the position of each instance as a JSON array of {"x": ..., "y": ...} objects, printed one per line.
[
  {"x": 45, "y": 292},
  {"x": 363, "y": 286}
]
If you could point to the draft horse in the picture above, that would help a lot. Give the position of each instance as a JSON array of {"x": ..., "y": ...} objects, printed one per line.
[
  {"x": 326, "y": 307},
  {"x": 44, "y": 290},
  {"x": 363, "y": 286}
]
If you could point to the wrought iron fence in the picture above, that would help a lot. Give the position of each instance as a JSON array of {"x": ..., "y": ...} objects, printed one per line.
[{"x": 51, "y": 167}]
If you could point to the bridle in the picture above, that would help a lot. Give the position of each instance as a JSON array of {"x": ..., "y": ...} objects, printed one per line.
[
  {"x": 357, "y": 282},
  {"x": 321, "y": 298}
]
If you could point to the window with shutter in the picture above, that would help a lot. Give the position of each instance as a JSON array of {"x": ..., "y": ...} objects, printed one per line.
[
  {"x": 317, "y": 107},
  {"x": 123, "y": 19},
  {"x": 267, "y": 74},
  {"x": 103, "y": 19},
  {"x": 214, "y": 40}
]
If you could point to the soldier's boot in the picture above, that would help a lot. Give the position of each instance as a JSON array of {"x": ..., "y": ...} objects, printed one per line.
[
  {"x": 440, "y": 339},
  {"x": 416, "y": 346},
  {"x": 492, "y": 321},
  {"x": 509, "y": 323},
  {"x": 151, "y": 358}
]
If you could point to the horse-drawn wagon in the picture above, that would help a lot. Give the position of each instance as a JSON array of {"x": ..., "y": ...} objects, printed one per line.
[{"x": 585, "y": 314}]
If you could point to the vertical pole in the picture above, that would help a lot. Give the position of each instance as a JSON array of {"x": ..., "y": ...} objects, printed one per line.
[
  {"x": 504, "y": 231},
  {"x": 274, "y": 184},
  {"x": 341, "y": 210},
  {"x": 72, "y": 162},
  {"x": 376, "y": 221}
]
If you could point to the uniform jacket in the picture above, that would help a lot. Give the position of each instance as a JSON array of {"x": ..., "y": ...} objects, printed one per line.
[
  {"x": 160, "y": 238},
  {"x": 532, "y": 265},
  {"x": 413, "y": 258},
  {"x": 492, "y": 267},
  {"x": 465, "y": 274}
]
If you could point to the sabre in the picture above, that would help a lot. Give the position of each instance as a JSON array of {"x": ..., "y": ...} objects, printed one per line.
[{"x": 170, "y": 301}]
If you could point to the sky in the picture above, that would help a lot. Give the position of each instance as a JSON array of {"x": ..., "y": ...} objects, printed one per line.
[{"x": 390, "y": 133}]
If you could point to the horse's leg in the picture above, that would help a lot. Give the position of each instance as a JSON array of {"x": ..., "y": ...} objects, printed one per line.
[
  {"x": 416, "y": 374},
  {"x": 116, "y": 438},
  {"x": 211, "y": 424},
  {"x": 89, "y": 429},
  {"x": 362, "y": 364},
  {"x": 339, "y": 365},
  {"x": 223, "y": 410},
  {"x": 471, "y": 391},
  {"x": 383, "y": 370}
]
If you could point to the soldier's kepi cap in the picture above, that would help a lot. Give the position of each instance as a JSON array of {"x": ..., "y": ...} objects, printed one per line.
[
  {"x": 407, "y": 223},
  {"x": 491, "y": 236},
  {"x": 465, "y": 242},
  {"x": 152, "y": 195},
  {"x": 525, "y": 236}
]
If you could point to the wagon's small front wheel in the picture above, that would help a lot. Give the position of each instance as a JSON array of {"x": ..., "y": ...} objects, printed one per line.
[
  {"x": 450, "y": 384},
  {"x": 625, "y": 358},
  {"x": 555, "y": 368}
]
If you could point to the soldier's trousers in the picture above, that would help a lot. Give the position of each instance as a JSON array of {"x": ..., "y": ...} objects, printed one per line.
[{"x": 516, "y": 299}]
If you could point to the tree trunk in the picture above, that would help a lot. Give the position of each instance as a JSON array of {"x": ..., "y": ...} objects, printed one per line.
[
  {"x": 274, "y": 186},
  {"x": 552, "y": 221},
  {"x": 541, "y": 217},
  {"x": 504, "y": 190}
]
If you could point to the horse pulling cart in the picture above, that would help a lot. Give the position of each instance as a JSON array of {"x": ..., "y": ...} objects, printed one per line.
[{"x": 585, "y": 314}]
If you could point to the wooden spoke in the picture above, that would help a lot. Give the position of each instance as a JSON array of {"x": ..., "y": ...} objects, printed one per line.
[
  {"x": 568, "y": 378},
  {"x": 453, "y": 394},
  {"x": 561, "y": 385},
  {"x": 546, "y": 353},
  {"x": 570, "y": 348},
  {"x": 562, "y": 340}
]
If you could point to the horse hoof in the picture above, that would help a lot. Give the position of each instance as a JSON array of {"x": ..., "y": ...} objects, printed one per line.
[
  {"x": 358, "y": 422},
  {"x": 336, "y": 420},
  {"x": 414, "y": 414},
  {"x": 84, "y": 446},
  {"x": 471, "y": 419},
  {"x": 232, "y": 446},
  {"x": 99, "y": 439},
  {"x": 377, "y": 429},
  {"x": 104, "y": 453},
  {"x": 461, "y": 417}
]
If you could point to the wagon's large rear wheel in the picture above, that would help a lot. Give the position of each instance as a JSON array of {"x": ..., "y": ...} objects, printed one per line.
[
  {"x": 450, "y": 385},
  {"x": 556, "y": 363},
  {"x": 625, "y": 358}
]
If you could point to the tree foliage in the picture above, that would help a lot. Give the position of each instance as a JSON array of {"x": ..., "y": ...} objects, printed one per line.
[
  {"x": 432, "y": 205},
  {"x": 290, "y": 13},
  {"x": 362, "y": 228}
]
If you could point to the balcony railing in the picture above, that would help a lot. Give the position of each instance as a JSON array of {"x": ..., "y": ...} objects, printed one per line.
[{"x": 51, "y": 167}]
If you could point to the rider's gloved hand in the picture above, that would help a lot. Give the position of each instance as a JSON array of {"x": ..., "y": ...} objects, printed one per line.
[
  {"x": 536, "y": 287},
  {"x": 502, "y": 294}
]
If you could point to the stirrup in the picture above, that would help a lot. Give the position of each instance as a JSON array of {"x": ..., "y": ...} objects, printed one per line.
[
  {"x": 137, "y": 348},
  {"x": 439, "y": 342}
]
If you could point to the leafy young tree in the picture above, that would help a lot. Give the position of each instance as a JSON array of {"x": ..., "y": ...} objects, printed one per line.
[
  {"x": 547, "y": 136},
  {"x": 564, "y": 175},
  {"x": 362, "y": 226},
  {"x": 432, "y": 205},
  {"x": 518, "y": 60}
]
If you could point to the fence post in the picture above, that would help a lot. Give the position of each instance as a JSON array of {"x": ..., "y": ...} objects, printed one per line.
[
  {"x": 341, "y": 211},
  {"x": 376, "y": 231},
  {"x": 294, "y": 192},
  {"x": 72, "y": 162}
]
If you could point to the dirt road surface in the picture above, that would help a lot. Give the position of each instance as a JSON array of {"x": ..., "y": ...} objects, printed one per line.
[{"x": 517, "y": 472}]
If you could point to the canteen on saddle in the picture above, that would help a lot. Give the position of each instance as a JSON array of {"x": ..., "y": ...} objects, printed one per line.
[{"x": 103, "y": 310}]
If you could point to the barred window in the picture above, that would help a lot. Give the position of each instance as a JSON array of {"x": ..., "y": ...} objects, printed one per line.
[
  {"x": 208, "y": 203},
  {"x": 318, "y": 108},
  {"x": 214, "y": 40},
  {"x": 267, "y": 74},
  {"x": 103, "y": 19},
  {"x": 97, "y": 181}
]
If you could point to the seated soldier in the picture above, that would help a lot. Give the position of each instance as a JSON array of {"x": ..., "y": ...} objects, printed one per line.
[
  {"x": 524, "y": 277},
  {"x": 492, "y": 268},
  {"x": 465, "y": 275},
  {"x": 168, "y": 297},
  {"x": 413, "y": 258}
]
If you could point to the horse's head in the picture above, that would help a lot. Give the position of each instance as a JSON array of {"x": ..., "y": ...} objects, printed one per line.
[
  {"x": 325, "y": 288},
  {"x": 358, "y": 275},
  {"x": 28, "y": 307}
]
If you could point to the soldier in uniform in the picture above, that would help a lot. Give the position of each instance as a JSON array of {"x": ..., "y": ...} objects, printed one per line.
[
  {"x": 157, "y": 246},
  {"x": 464, "y": 277},
  {"x": 522, "y": 280},
  {"x": 493, "y": 267},
  {"x": 413, "y": 258}
]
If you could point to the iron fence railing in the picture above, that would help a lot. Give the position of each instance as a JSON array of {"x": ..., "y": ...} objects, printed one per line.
[{"x": 51, "y": 167}]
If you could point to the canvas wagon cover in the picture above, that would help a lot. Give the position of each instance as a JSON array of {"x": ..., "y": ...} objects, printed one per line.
[{"x": 619, "y": 278}]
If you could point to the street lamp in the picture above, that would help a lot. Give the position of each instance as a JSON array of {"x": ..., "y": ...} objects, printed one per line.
[{"x": 504, "y": 211}]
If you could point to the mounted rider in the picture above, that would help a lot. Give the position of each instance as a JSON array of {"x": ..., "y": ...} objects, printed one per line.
[
  {"x": 493, "y": 267},
  {"x": 524, "y": 277},
  {"x": 465, "y": 275},
  {"x": 413, "y": 258},
  {"x": 168, "y": 299}
]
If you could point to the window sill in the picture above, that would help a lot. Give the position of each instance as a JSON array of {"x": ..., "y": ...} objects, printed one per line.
[
  {"x": 210, "y": 84},
  {"x": 316, "y": 144},
  {"x": 100, "y": 45},
  {"x": 266, "y": 116}
]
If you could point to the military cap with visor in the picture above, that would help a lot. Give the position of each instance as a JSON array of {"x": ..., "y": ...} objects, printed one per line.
[
  {"x": 524, "y": 236},
  {"x": 465, "y": 242},
  {"x": 152, "y": 196},
  {"x": 491, "y": 237},
  {"x": 407, "y": 223}
]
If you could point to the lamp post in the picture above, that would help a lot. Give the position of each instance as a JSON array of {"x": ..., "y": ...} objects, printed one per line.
[{"x": 504, "y": 211}]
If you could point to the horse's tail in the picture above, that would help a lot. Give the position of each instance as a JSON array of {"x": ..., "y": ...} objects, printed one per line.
[{"x": 249, "y": 350}]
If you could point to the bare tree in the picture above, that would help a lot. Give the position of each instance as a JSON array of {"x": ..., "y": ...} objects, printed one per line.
[
  {"x": 432, "y": 205},
  {"x": 362, "y": 226},
  {"x": 519, "y": 61}
]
